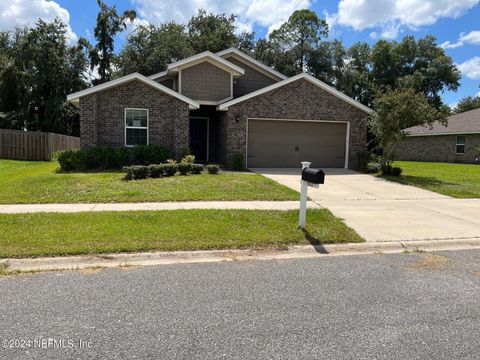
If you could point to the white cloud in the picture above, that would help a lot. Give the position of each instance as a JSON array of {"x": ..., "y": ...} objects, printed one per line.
[
  {"x": 133, "y": 25},
  {"x": 471, "y": 68},
  {"x": 26, "y": 12},
  {"x": 242, "y": 27},
  {"x": 473, "y": 38},
  {"x": 391, "y": 15},
  {"x": 266, "y": 13}
]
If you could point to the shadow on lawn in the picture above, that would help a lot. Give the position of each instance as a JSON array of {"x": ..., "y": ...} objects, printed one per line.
[{"x": 317, "y": 245}]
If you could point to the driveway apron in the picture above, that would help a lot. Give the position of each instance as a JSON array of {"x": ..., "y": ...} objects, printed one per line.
[{"x": 380, "y": 210}]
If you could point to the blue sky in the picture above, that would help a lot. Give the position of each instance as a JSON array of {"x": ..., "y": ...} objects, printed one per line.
[{"x": 455, "y": 23}]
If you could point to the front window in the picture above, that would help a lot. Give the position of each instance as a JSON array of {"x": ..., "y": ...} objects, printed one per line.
[
  {"x": 136, "y": 127},
  {"x": 460, "y": 145}
]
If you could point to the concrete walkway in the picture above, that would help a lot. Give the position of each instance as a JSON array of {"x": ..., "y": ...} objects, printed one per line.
[
  {"x": 381, "y": 210},
  {"x": 221, "y": 205}
]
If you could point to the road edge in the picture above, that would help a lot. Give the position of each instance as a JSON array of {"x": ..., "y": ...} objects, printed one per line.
[{"x": 14, "y": 266}]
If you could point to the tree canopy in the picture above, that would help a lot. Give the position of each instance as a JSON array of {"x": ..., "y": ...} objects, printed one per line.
[
  {"x": 37, "y": 71},
  {"x": 38, "y": 68},
  {"x": 396, "y": 110},
  {"x": 467, "y": 103},
  {"x": 300, "y": 35},
  {"x": 108, "y": 24}
]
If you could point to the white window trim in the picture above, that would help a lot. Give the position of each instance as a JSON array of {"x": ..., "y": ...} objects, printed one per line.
[
  {"x": 136, "y": 127},
  {"x": 457, "y": 144}
]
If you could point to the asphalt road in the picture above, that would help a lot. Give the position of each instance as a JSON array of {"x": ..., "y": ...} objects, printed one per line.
[{"x": 405, "y": 306}]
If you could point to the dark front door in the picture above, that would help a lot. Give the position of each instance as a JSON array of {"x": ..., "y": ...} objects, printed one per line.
[{"x": 199, "y": 138}]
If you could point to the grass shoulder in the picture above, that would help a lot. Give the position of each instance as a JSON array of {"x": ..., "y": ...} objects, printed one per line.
[{"x": 34, "y": 235}]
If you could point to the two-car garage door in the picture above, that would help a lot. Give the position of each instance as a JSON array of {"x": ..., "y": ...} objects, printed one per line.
[{"x": 285, "y": 143}]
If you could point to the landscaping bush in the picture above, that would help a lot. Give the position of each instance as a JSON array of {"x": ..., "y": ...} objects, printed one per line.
[
  {"x": 237, "y": 162},
  {"x": 170, "y": 169},
  {"x": 149, "y": 154},
  {"x": 104, "y": 157},
  {"x": 391, "y": 170},
  {"x": 373, "y": 167},
  {"x": 368, "y": 161},
  {"x": 136, "y": 172},
  {"x": 72, "y": 160},
  {"x": 156, "y": 171},
  {"x": 197, "y": 168},
  {"x": 396, "y": 171},
  {"x": 213, "y": 169},
  {"x": 188, "y": 159},
  {"x": 184, "y": 168}
]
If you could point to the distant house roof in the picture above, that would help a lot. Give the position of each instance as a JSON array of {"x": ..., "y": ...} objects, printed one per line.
[{"x": 463, "y": 123}]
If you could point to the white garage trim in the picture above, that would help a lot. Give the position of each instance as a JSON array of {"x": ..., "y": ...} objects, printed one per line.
[{"x": 347, "y": 134}]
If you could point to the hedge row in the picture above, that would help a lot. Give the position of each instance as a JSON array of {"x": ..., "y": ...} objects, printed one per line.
[
  {"x": 137, "y": 172},
  {"x": 104, "y": 157}
]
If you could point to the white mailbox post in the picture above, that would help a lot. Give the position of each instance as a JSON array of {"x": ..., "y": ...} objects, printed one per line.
[{"x": 318, "y": 178}]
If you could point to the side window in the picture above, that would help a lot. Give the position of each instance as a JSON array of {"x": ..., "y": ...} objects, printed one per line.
[
  {"x": 136, "y": 127},
  {"x": 460, "y": 145}
]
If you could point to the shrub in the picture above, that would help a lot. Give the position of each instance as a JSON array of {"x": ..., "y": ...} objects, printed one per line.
[
  {"x": 149, "y": 154},
  {"x": 386, "y": 169},
  {"x": 197, "y": 168},
  {"x": 373, "y": 167},
  {"x": 188, "y": 159},
  {"x": 392, "y": 171},
  {"x": 104, "y": 157},
  {"x": 185, "y": 151},
  {"x": 184, "y": 168},
  {"x": 213, "y": 169},
  {"x": 171, "y": 161},
  {"x": 170, "y": 169},
  {"x": 396, "y": 171},
  {"x": 136, "y": 172},
  {"x": 237, "y": 162},
  {"x": 72, "y": 160},
  {"x": 365, "y": 158},
  {"x": 156, "y": 171}
]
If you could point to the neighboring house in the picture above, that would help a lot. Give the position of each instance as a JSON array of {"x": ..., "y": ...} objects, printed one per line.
[
  {"x": 223, "y": 104},
  {"x": 456, "y": 142}
]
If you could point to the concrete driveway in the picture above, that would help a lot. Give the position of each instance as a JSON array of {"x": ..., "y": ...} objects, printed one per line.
[{"x": 380, "y": 210}]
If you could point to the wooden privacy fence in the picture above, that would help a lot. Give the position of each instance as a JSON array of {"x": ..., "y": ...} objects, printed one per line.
[{"x": 34, "y": 145}]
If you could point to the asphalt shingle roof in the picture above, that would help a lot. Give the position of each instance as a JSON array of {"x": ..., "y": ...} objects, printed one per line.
[{"x": 467, "y": 122}]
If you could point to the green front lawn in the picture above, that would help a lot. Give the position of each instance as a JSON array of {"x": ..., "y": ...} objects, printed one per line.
[
  {"x": 30, "y": 235},
  {"x": 456, "y": 180},
  {"x": 38, "y": 182}
]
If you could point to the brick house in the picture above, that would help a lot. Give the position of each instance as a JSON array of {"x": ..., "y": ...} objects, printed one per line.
[
  {"x": 223, "y": 104},
  {"x": 459, "y": 141}
]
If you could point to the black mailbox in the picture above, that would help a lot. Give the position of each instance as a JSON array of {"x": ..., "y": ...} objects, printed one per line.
[{"x": 313, "y": 176}]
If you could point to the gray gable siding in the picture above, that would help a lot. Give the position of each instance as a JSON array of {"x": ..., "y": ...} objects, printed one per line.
[
  {"x": 206, "y": 82},
  {"x": 251, "y": 81}
]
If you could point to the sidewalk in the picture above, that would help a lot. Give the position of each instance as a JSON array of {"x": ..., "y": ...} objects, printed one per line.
[{"x": 219, "y": 205}]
